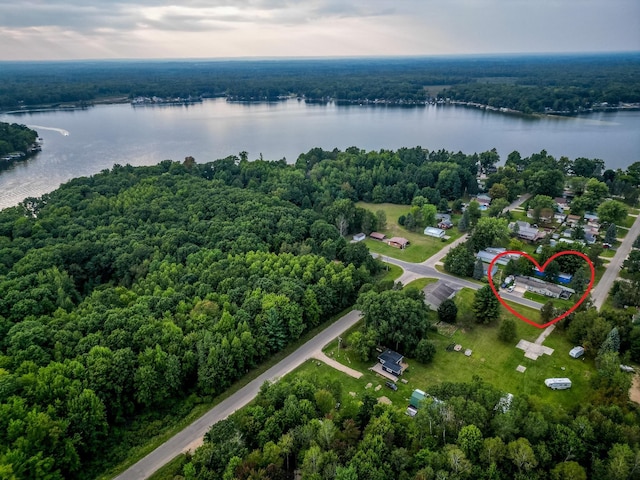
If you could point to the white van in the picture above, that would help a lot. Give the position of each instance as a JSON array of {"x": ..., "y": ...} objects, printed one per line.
[{"x": 558, "y": 383}]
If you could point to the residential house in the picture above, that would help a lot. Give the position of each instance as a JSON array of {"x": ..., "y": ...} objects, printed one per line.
[
  {"x": 445, "y": 224},
  {"x": 443, "y": 216},
  {"x": 434, "y": 232},
  {"x": 591, "y": 217},
  {"x": 527, "y": 232},
  {"x": 483, "y": 199},
  {"x": 562, "y": 202},
  {"x": 358, "y": 237},
  {"x": 436, "y": 293},
  {"x": 560, "y": 217},
  {"x": 573, "y": 220},
  {"x": 391, "y": 362},
  {"x": 398, "y": 242},
  {"x": 590, "y": 238},
  {"x": 377, "y": 236},
  {"x": 544, "y": 288}
]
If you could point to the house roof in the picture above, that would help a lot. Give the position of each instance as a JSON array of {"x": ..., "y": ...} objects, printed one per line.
[
  {"x": 443, "y": 216},
  {"x": 398, "y": 240},
  {"x": 436, "y": 232},
  {"x": 390, "y": 357},
  {"x": 377, "y": 235},
  {"x": 536, "y": 283},
  {"x": 438, "y": 292}
]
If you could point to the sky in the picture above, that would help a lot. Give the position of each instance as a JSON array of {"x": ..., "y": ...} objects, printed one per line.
[{"x": 95, "y": 29}]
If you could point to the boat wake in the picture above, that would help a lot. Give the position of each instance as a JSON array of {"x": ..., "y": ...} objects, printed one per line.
[{"x": 61, "y": 131}]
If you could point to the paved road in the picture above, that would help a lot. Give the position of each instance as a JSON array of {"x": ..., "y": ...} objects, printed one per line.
[
  {"x": 191, "y": 437},
  {"x": 600, "y": 292},
  {"x": 419, "y": 270}
]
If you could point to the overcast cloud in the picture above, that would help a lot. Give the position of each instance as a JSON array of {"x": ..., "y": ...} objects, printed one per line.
[{"x": 78, "y": 29}]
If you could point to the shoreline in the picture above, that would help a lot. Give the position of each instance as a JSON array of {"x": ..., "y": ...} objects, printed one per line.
[{"x": 74, "y": 106}]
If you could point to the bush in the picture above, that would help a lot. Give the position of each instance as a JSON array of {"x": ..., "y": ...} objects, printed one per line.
[
  {"x": 507, "y": 331},
  {"x": 425, "y": 351}
]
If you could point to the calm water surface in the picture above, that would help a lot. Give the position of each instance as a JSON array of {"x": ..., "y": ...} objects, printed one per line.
[{"x": 103, "y": 135}]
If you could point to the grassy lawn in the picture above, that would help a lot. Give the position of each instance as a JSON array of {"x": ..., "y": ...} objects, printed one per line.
[
  {"x": 392, "y": 272},
  {"x": 441, "y": 269},
  {"x": 492, "y": 360},
  {"x": 628, "y": 222},
  {"x": 421, "y": 283},
  {"x": 609, "y": 253},
  {"x": 421, "y": 246},
  {"x": 622, "y": 232}
]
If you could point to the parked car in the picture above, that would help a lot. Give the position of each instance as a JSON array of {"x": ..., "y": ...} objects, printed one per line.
[
  {"x": 392, "y": 386},
  {"x": 606, "y": 245}
]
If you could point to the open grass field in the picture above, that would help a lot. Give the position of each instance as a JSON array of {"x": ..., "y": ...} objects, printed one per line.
[
  {"x": 421, "y": 246},
  {"x": 492, "y": 360},
  {"x": 557, "y": 302},
  {"x": 627, "y": 222}
]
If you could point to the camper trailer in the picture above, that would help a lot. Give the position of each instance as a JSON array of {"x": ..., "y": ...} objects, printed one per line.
[
  {"x": 576, "y": 352},
  {"x": 558, "y": 383}
]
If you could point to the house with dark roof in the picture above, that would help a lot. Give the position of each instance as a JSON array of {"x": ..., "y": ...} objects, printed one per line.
[
  {"x": 391, "y": 362},
  {"x": 436, "y": 293},
  {"x": 483, "y": 199}
]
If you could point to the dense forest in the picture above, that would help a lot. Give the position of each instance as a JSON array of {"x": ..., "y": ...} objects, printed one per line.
[
  {"x": 560, "y": 83},
  {"x": 461, "y": 432},
  {"x": 137, "y": 293},
  {"x": 16, "y": 138}
]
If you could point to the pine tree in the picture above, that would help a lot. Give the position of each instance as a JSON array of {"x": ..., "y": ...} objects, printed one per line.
[
  {"x": 463, "y": 224},
  {"x": 478, "y": 270},
  {"x": 612, "y": 234}
]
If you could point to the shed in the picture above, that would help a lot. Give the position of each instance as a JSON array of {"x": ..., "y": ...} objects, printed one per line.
[
  {"x": 434, "y": 232},
  {"x": 358, "y": 237},
  {"x": 416, "y": 398},
  {"x": 377, "y": 236}
]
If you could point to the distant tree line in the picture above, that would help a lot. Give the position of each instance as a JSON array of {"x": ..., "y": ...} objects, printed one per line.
[{"x": 525, "y": 83}]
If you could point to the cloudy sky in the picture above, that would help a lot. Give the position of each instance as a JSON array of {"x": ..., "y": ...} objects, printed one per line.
[{"x": 87, "y": 29}]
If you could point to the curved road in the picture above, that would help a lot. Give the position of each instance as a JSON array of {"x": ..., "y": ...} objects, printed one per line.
[{"x": 192, "y": 436}]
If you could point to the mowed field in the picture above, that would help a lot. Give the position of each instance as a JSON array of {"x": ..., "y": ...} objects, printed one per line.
[
  {"x": 492, "y": 360},
  {"x": 421, "y": 246}
]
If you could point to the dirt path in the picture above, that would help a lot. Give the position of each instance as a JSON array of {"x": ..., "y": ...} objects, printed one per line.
[
  {"x": 634, "y": 393},
  {"x": 337, "y": 365}
]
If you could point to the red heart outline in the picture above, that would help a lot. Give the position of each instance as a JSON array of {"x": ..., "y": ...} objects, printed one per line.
[{"x": 541, "y": 269}]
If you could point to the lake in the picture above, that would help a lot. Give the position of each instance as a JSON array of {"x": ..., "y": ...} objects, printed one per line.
[{"x": 84, "y": 142}]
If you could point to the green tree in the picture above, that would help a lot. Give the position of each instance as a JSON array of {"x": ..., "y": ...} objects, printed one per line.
[
  {"x": 381, "y": 218},
  {"x": 522, "y": 455},
  {"x": 488, "y": 232},
  {"x": 547, "y": 312},
  {"x": 474, "y": 212},
  {"x": 478, "y": 269},
  {"x": 497, "y": 206},
  {"x": 459, "y": 261},
  {"x": 470, "y": 441},
  {"x": 498, "y": 190},
  {"x": 463, "y": 224},
  {"x": 448, "y": 311},
  {"x": 486, "y": 306},
  {"x": 425, "y": 351},
  {"x": 611, "y": 234},
  {"x": 632, "y": 263},
  {"x": 612, "y": 211},
  {"x": 507, "y": 331}
]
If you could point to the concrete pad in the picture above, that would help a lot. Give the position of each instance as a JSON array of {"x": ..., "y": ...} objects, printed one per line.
[
  {"x": 368, "y": 385},
  {"x": 384, "y": 400},
  {"x": 378, "y": 388},
  {"x": 521, "y": 368}
]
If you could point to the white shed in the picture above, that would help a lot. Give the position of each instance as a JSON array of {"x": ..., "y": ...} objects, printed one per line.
[{"x": 434, "y": 232}]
